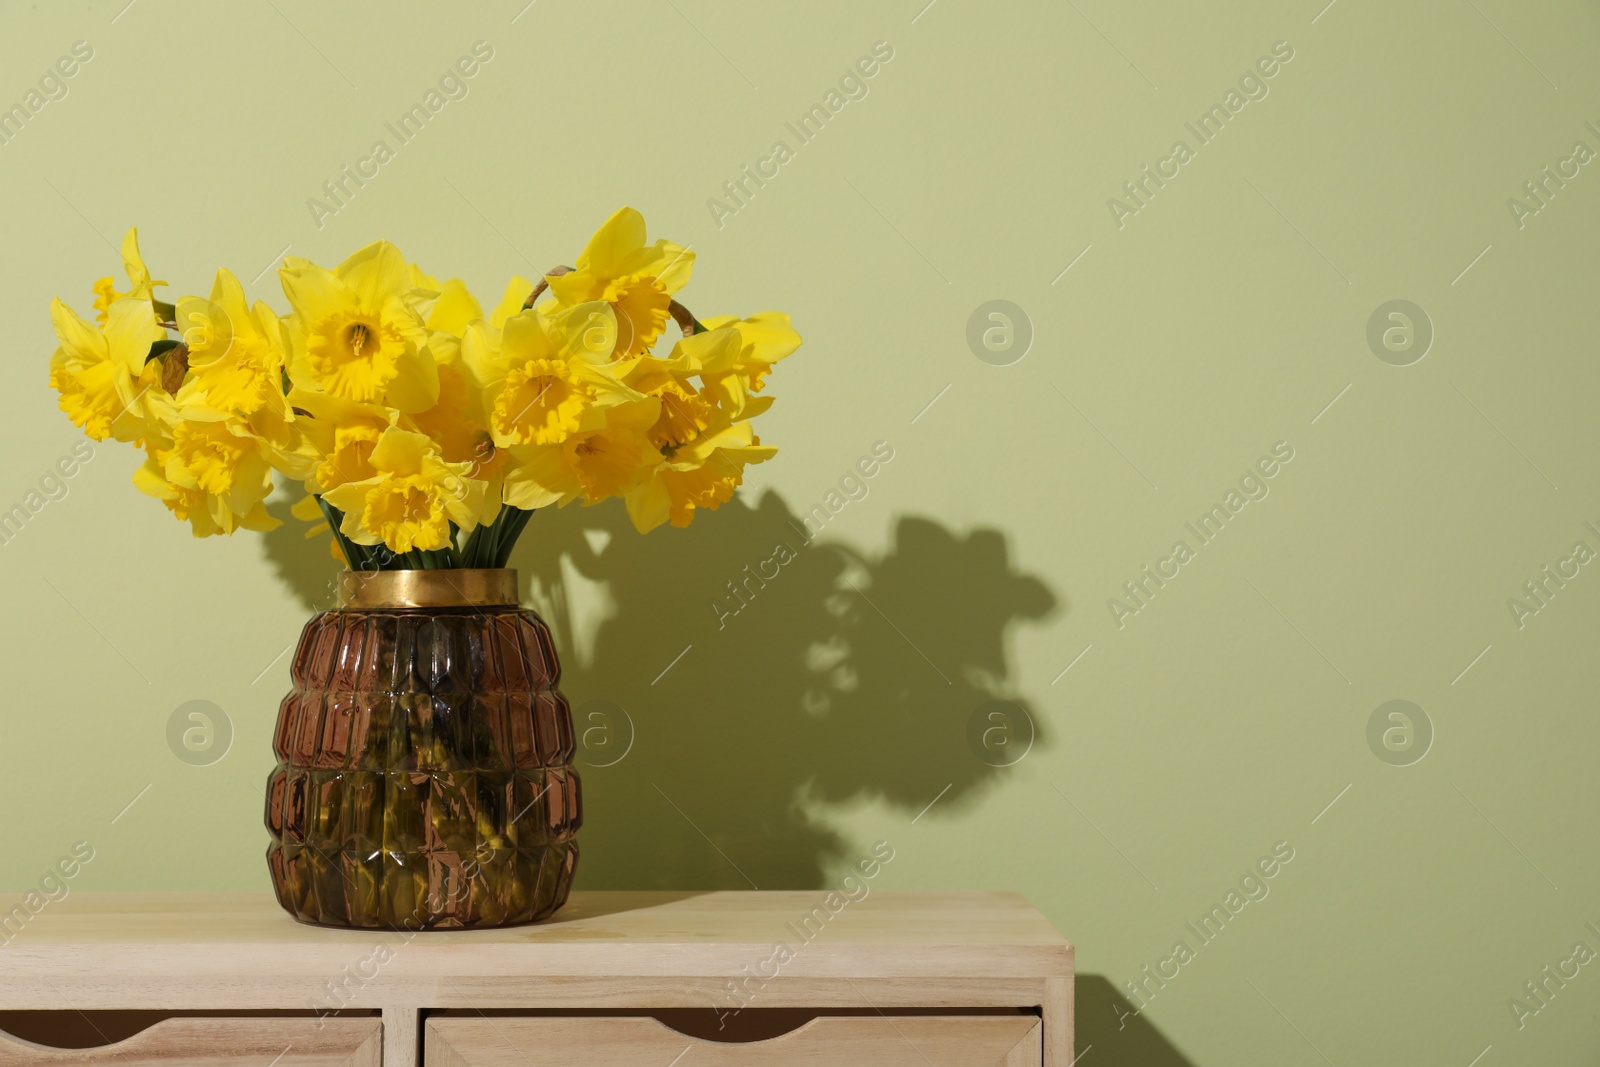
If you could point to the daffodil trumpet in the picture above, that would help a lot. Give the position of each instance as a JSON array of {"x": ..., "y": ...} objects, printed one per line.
[
  {"x": 423, "y": 431},
  {"x": 680, "y": 314}
]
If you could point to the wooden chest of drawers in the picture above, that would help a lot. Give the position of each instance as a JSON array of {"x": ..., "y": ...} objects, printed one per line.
[{"x": 769, "y": 979}]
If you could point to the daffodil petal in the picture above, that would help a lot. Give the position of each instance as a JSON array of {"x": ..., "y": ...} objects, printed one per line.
[
  {"x": 306, "y": 509},
  {"x": 315, "y": 293},
  {"x": 129, "y": 325},
  {"x": 373, "y": 272},
  {"x": 133, "y": 266},
  {"x": 516, "y": 294},
  {"x": 649, "y": 505},
  {"x": 401, "y": 451},
  {"x": 617, "y": 238},
  {"x": 526, "y": 336},
  {"x": 672, "y": 265},
  {"x": 205, "y": 326},
  {"x": 76, "y": 335},
  {"x": 538, "y": 478},
  {"x": 454, "y": 309}
]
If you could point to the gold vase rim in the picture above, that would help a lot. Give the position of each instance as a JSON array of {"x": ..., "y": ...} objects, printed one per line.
[{"x": 450, "y": 587}]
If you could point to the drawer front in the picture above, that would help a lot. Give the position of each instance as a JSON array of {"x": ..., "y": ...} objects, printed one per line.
[
  {"x": 219, "y": 1042},
  {"x": 884, "y": 1041}
]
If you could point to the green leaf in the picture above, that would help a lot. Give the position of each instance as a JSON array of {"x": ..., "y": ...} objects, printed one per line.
[{"x": 161, "y": 348}]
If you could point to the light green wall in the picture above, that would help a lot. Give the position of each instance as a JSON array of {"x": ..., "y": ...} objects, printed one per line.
[{"x": 1220, "y": 319}]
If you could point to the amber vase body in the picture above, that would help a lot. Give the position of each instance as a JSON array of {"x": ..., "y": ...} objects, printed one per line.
[{"x": 424, "y": 775}]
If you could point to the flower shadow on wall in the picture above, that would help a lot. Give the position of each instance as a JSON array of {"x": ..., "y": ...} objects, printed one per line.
[
  {"x": 761, "y": 680},
  {"x": 820, "y": 676}
]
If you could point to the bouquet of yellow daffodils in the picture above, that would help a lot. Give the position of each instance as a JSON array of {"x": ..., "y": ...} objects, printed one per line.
[{"x": 424, "y": 430}]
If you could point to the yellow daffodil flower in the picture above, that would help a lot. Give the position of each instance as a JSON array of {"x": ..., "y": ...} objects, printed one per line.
[
  {"x": 703, "y": 474},
  {"x": 687, "y": 412},
  {"x": 562, "y": 421},
  {"x": 764, "y": 339},
  {"x": 206, "y": 515},
  {"x": 219, "y": 460},
  {"x": 101, "y": 375},
  {"x": 140, "y": 285},
  {"x": 594, "y": 464},
  {"x": 412, "y": 415},
  {"x": 636, "y": 279},
  {"x": 236, "y": 357},
  {"x": 337, "y": 437},
  {"x": 612, "y": 461},
  {"x": 355, "y": 333},
  {"x": 545, "y": 378},
  {"x": 457, "y": 423},
  {"x": 412, "y": 499},
  {"x": 215, "y": 475}
]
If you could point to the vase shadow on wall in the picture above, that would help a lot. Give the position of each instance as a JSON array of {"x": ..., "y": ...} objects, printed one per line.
[
  {"x": 1105, "y": 1021},
  {"x": 736, "y": 684}
]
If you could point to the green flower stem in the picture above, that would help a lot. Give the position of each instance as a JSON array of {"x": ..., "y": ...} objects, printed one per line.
[
  {"x": 508, "y": 538},
  {"x": 486, "y": 546},
  {"x": 355, "y": 556},
  {"x": 473, "y": 551}
]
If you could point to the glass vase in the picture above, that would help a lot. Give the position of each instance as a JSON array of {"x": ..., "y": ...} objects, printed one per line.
[{"x": 424, "y": 775}]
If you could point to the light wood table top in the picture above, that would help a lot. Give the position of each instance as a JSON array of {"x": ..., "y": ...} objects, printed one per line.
[{"x": 597, "y": 933}]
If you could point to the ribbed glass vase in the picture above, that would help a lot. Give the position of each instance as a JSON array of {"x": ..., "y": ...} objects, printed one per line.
[{"x": 424, "y": 775}]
